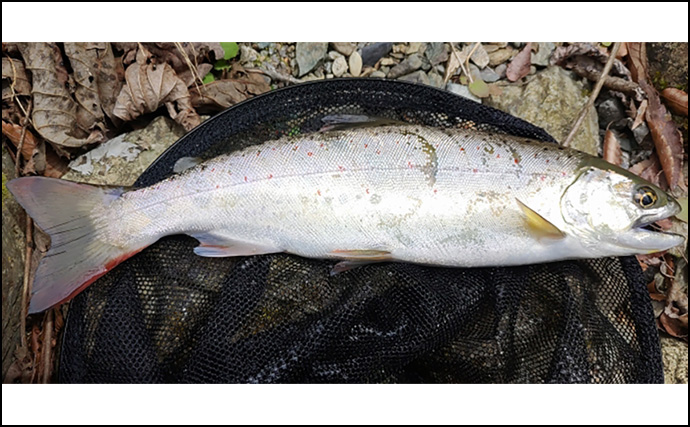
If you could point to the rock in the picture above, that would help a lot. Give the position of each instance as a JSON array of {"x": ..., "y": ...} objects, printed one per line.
[
  {"x": 375, "y": 51},
  {"x": 416, "y": 47},
  {"x": 474, "y": 72},
  {"x": 436, "y": 53},
  {"x": 247, "y": 54},
  {"x": 121, "y": 160},
  {"x": 309, "y": 55},
  {"x": 378, "y": 74},
  {"x": 339, "y": 66},
  {"x": 541, "y": 58},
  {"x": 674, "y": 355},
  {"x": 344, "y": 48},
  {"x": 355, "y": 64},
  {"x": 435, "y": 79},
  {"x": 611, "y": 110},
  {"x": 263, "y": 45},
  {"x": 400, "y": 48},
  {"x": 489, "y": 75},
  {"x": 426, "y": 65},
  {"x": 500, "y": 56},
  {"x": 333, "y": 55},
  {"x": 416, "y": 77},
  {"x": 413, "y": 63},
  {"x": 501, "y": 70},
  {"x": 441, "y": 69},
  {"x": 385, "y": 69},
  {"x": 13, "y": 252},
  {"x": 532, "y": 69},
  {"x": 552, "y": 100},
  {"x": 463, "y": 91},
  {"x": 480, "y": 57},
  {"x": 388, "y": 62},
  {"x": 668, "y": 65},
  {"x": 640, "y": 132}
]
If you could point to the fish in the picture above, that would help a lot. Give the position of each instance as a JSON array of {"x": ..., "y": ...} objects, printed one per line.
[{"x": 357, "y": 194}]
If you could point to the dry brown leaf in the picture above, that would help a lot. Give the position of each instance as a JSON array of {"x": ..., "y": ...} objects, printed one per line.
[
  {"x": 14, "y": 71},
  {"x": 623, "y": 51},
  {"x": 196, "y": 52},
  {"x": 666, "y": 136},
  {"x": 575, "y": 53},
  {"x": 520, "y": 65},
  {"x": 148, "y": 86},
  {"x": 676, "y": 100},
  {"x": 650, "y": 170},
  {"x": 221, "y": 94},
  {"x": 665, "y": 133},
  {"x": 453, "y": 63},
  {"x": 675, "y": 326},
  {"x": 54, "y": 112},
  {"x": 187, "y": 76},
  {"x": 639, "y": 114},
  {"x": 612, "y": 148},
  {"x": 89, "y": 112}
]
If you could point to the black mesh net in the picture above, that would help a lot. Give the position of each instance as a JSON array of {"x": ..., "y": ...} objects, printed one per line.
[{"x": 168, "y": 316}]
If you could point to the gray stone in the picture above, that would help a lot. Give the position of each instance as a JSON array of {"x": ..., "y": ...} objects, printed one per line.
[
  {"x": 610, "y": 110},
  {"x": 463, "y": 91},
  {"x": 263, "y": 45},
  {"x": 344, "y": 48},
  {"x": 501, "y": 70},
  {"x": 378, "y": 74},
  {"x": 333, "y": 55},
  {"x": 532, "y": 69},
  {"x": 355, "y": 63},
  {"x": 375, "y": 51},
  {"x": 500, "y": 56},
  {"x": 440, "y": 68},
  {"x": 435, "y": 79},
  {"x": 480, "y": 57},
  {"x": 426, "y": 65},
  {"x": 436, "y": 53},
  {"x": 339, "y": 66},
  {"x": 121, "y": 160},
  {"x": 640, "y": 132},
  {"x": 385, "y": 69},
  {"x": 474, "y": 72},
  {"x": 552, "y": 100},
  {"x": 416, "y": 47},
  {"x": 13, "y": 252},
  {"x": 416, "y": 77},
  {"x": 309, "y": 55},
  {"x": 247, "y": 54},
  {"x": 489, "y": 75},
  {"x": 413, "y": 63},
  {"x": 541, "y": 58}
]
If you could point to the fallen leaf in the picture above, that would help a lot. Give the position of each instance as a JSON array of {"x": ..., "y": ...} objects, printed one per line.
[
  {"x": 221, "y": 94},
  {"x": 520, "y": 65},
  {"x": 479, "y": 88},
  {"x": 54, "y": 112},
  {"x": 623, "y": 51},
  {"x": 612, "y": 148},
  {"x": 675, "y": 99},
  {"x": 14, "y": 71},
  {"x": 453, "y": 63},
  {"x": 675, "y": 326},
  {"x": 89, "y": 112},
  {"x": 666, "y": 136},
  {"x": 188, "y": 77},
  {"x": 650, "y": 170},
  {"x": 231, "y": 50},
  {"x": 150, "y": 85},
  {"x": 573, "y": 54},
  {"x": 495, "y": 90},
  {"x": 639, "y": 115}
]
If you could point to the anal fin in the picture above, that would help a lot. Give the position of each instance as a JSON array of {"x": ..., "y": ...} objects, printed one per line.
[{"x": 218, "y": 245}]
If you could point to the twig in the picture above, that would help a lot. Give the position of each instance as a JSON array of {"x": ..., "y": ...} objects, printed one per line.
[
  {"x": 29, "y": 235},
  {"x": 614, "y": 83},
  {"x": 593, "y": 96},
  {"x": 192, "y": 67},
  {"x": 271, "y": 72},
  {"x": 47, "y": 346}
]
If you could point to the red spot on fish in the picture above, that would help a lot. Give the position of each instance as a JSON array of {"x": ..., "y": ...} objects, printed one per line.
[
  {"x": 547, "y": 160},
  {"x": 563, "y": 173},
  {"x": 366, "y": 145},
  {"x": 213, "y": 170},
  {"x": 217, "y": 186},
  {"x": 257, "y": 153},
  {"x": 498, "y": 156},
  {"x": 410, "y": 165},
  {"x": 321, "y": 145},
  {"x": 435, "y": 191},
  {"x": 474, "y": 170},
  {"x": 535, "y": 155},
  {"x": 273, "y": 149},
  {"x": 543, "y": 177},
  {"x": 517, "y": 161},
  {"x": 367, "y": 190},
  {"x": 341, "y": 168},
  {"x": 462, "y": 149},
  {"x": 318, "y": 192},
  {"x": 245, "y": 179},
  {"x": 378, "y": 151},
  {"x": 477, "y": 147},
  {"x": 309, "y": 154},
  {"x": 270, "y": 176}
]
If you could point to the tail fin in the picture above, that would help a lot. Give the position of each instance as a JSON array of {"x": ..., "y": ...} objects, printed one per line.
[{"x": 77, "y": 256}]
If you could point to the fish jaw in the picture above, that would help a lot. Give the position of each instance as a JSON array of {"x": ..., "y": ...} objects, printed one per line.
[{"x": 649, "y": 241}]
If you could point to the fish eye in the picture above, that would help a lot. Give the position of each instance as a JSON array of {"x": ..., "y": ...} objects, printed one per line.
[{"x": 645, "y": 197}]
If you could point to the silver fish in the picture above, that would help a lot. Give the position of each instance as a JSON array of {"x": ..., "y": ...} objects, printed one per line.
[{"x": 452, "y": 197}]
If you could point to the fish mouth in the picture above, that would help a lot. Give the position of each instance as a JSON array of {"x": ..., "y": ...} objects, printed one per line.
[{"x": 643, "y": 236}]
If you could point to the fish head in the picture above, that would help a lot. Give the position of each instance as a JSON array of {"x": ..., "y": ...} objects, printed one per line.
[{"x": 608, "y": 208}]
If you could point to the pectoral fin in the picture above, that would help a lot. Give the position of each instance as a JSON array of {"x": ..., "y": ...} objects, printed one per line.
[
  {"x": 538, "y": 225},
  {"x": 353, "y": 121},
  {"x": 357, "y": 258}
]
